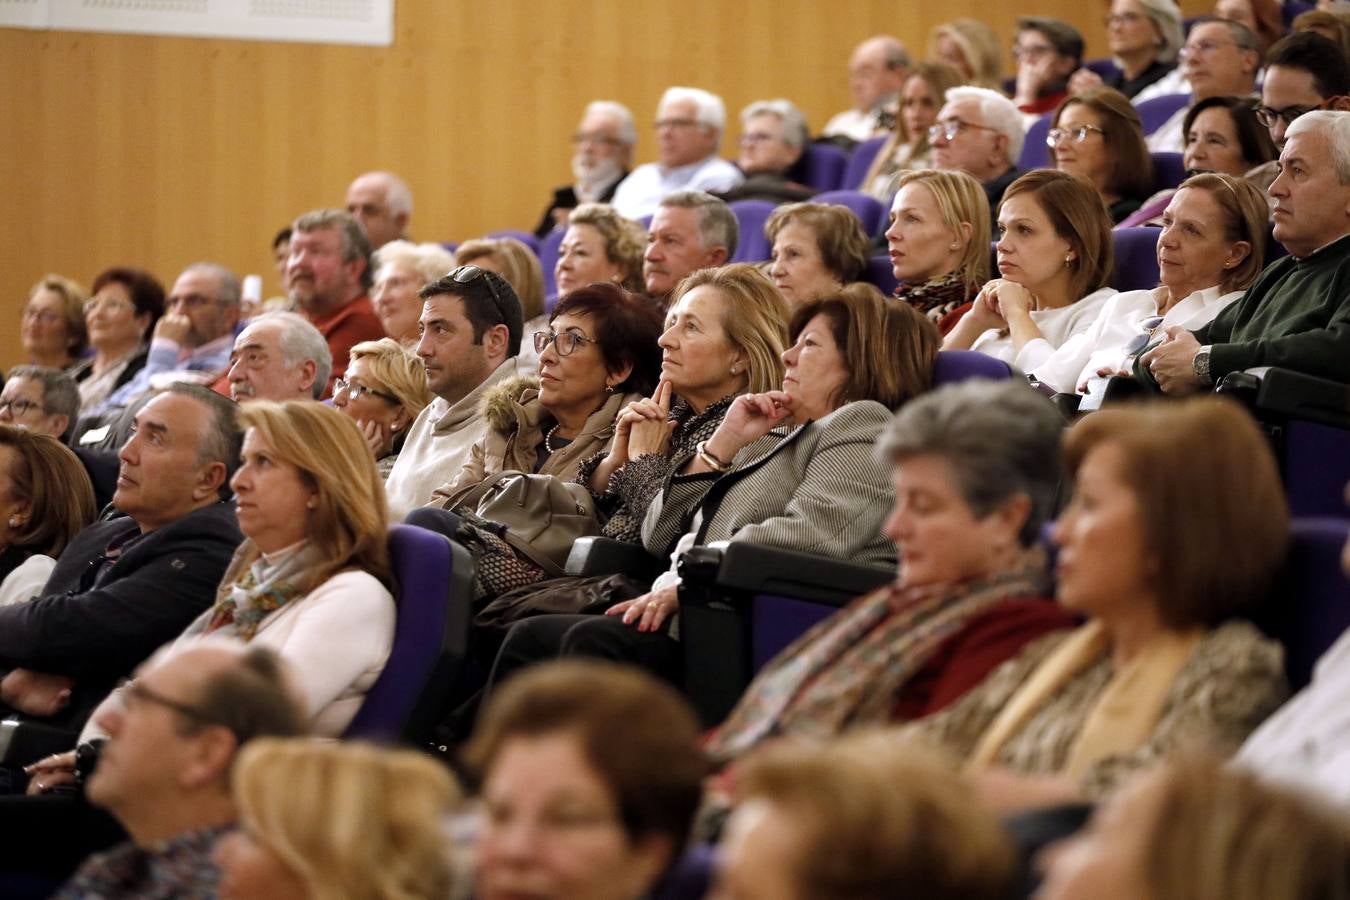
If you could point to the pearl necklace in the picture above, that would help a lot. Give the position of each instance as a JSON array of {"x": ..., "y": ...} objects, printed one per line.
[{"x": 548, "y": 439}]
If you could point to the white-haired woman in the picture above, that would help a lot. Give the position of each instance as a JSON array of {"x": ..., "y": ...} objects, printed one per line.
[{"x": 401, "y": 268}]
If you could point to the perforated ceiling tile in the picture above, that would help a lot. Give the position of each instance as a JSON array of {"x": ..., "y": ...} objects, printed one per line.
[
  {"x": 359, "y": 10},
  {"x": 150, "y": 6}
]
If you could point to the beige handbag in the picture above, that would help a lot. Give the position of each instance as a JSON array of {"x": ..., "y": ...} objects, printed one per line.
[{"x": 539, "y": 515}]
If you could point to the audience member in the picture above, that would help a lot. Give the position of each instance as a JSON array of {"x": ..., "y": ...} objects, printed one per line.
[
  {"x": 51, "y": 328},
  {"x": 979, "y": 132},
  {"x": 691, "y": 230},
  {"x": 45, "y": 501},
  {"x": 383, "y": 204},
  {"x": 601, "y": 157},
  {"x": 125, "y": 305},
  {"x": 1262, "y": 18},
  {"x": 165, "y": 770},
  {"x": 600, "y": 246},
  {"x": 817, "y": 249},
  {"x": 279, "y": 356},
  {"x": 972, "y": 48},
  {"x": 1304, "y": 72},
  {"x": 876, "y": 70},
  {"x": 401, "y": 268},
  {"x": 617, "y": 750},
  {"x": 1334, "y": 25},
  {"x": 384, "y": 391},
  {"x": 936, "y": 240},
  {"x": 125, "y": 586},
  {"x": 320, "y": 819},
  {"x": 792, "y": 468},
  {"x": 773, "y": 137},
  {"x": 1144, "y": 37},
  {"x": 1054, "y": 256},
  {"x": 1161, "y": 554},
  {"x": 519, "y": 265},
  {"x": 1097, "y": 135},
  {"x": 689, "y": 124},
  {"x": 41, "y": 400},
  {"x": 1219, "y": 59},
  {"x": 976, "y": 471},
  {"x": 1225, "y": 136},
  {"x": 469, "y": 335},
  {"x": 1198, "y": 831},
  {"x": 908, "y": 147},
  {"x": 1295, "y": 315},
  {"x": 1047, "y": 52},
  {"x": 1209, "y": 252},
  {"x": 859, "y": 818},
  {"x": 281, "y": 252},
  {"x": 327, "y": 277}
]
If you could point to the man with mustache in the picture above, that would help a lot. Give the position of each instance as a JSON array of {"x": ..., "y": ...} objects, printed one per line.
[
  {"x": 279, "y": 356},
  {"x": 603, "y": 154},
  {"x": 691, "y": 230}
]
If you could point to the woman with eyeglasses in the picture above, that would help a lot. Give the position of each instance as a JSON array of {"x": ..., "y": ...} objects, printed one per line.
[
  {"x": 125, "y": 305},
  {"x": 908, "y": 148},
  {"x": 1210, "y": 250},
  {"x": 1098, "y": 136},
  {"x": 52, "y": 328},
  {"x": 1144, "y": 37},
  {"x": 1054, "y": 256},
  {"x": 384, "y": 389}
]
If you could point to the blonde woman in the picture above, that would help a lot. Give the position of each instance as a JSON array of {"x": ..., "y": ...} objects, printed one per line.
[
  {"x": 325, "y": 821},
  {"x": 972, "y": 48},
  {"x": 600, "y": 245},
  {"x": 383, "y": 390},
  {"x": 520, "y": 267},
  {"x": 51, "y": 327},
  {"x": 401, "y": 269},
  {"x": 936, "y": 242},
  {"x": 908, "y": 148}
]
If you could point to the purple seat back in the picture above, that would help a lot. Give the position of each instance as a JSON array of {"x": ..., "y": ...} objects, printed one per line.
[
  {"x": 690, "y": 878},
  {"x": 1316, "y": 468},
  {"x": 881, "y": 273},
  {"x": 867, "y": 208},
  {"x": 1292, "y": 9},
  {"x": 822, "y": 166},
  {"x": 1157, "y": 110},
  {"x": 778, "y": 621},
  {"x": 1310, "y": 606},
  {"x": 525, "y": 237},
  {"x": 1168, "y": 169},
  {"x": 450, "y": 246},
  {"x": 1035, "y": 154},
  {"x": 751, "y": 244},
  {"x": 956, "y": 366},
  {"x": 859, "y": 161},
  {"x": 548, "y": 258},
  {"x": 1136, "y": 258},
  {"x": 1105, "y": 67},
  {"x": 429, "y": 635}
]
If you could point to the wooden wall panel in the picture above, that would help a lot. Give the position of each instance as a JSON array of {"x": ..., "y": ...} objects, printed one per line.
[{"x": 160, "y": 151}]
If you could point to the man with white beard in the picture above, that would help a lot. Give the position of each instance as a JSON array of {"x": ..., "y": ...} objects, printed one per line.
[{"x": 603, "y": 154}]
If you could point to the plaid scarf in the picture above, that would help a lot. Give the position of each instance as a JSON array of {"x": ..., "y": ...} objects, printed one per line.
[{"x": 938, "y": 296}]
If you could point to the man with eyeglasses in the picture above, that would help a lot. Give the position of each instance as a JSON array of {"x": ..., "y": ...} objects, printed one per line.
[
  {"x": 1304, "y": 72},
  {"x": 383, "y": 204},
  {"x": 602, "y": 152},
  {"x": 280, "y": 356},
  {"x": 979, "y": 132},
  {"x": 468, "y": 338},
  {"x": 1047, "y": 52},
  {"x": 689, "y": 124},
  {"x": 1220, "y": 58},
  {"x": 876, "y": 72},
  {"x": 773, "y": 137},
  {"x": 170, "y": 737}
]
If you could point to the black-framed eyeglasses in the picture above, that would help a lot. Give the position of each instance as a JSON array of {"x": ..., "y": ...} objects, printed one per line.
[
  {"x": 468, "y": 274},
  {"x": 1079, "y": 133},
  {"x": 1268, "y": 116},
  {"x": 951, "y": 129},
  {"x": 1136, "y": 344},
  {"x": 18, "y": 407},
  {"x": 563, "y": 341},
  {"x": 355, "y": 389},
  {"x": 135, "y": 692}
]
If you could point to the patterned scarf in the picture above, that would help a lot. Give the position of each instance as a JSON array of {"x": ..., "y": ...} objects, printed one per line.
[
  {"x": 848, "y": 670},
  {"x": 250, "y": 592},
  {"x": 936, "y": 297}
]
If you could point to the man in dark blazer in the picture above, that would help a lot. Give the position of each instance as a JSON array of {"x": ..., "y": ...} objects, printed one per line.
[{"x": 127, "y": 585}]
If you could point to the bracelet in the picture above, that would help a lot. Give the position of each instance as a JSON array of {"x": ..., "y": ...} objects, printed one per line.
[{"x": 712, "y": 462}]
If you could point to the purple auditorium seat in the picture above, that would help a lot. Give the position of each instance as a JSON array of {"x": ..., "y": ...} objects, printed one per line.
[
  {"x": 1136, "y": 258},
  {"x": 690, "y": 877},
  {"x": 1316, "y": 467},
  {"x": 434, "y": 578},
  {"x": 956, "y": 366},
  {"x": 1168, "y": 169},
  {"x": 867, "y": 208},
  {"x": 548, "y": 258},
  {"x": 525, "y": 237},
  {"x": 822, "y": 166},
  {"x": 1157, "y": 110},
  {"x": 751, "y": 244},
  {"x": 881, "y": 273},
  {"x": 450, "y": 246},
  {"x": 1035, "y": 154},
  {"x": 1292, "y": 9},
  {"x": 859, "y": 162},
  {"x": 1104, "y": 67}
]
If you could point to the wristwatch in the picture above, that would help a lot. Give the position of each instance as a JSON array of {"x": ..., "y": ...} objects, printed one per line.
[{"x": 1201, "y": 365}]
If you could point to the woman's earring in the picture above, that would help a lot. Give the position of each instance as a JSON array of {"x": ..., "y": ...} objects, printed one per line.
[
  {"x": 733, "y": 370},
  {"x": 1068, "y": 260},
  {"x": 609, "y": 389},
  {"x": 15, "y": 522},
  {"x": 954, "y": 245},
  {"x": 311, "y": 503}
]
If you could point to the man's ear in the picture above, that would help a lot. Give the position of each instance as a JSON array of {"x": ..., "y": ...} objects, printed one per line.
[
  {"x": 57, "y": 423},
  {"x": 496, "y": 341},
  {"x": 401, "y": 220},
  {"x": 210, "y": 480},
  {"x": 718, "y": 256},
  {"x": 309, "y": 370},
  {"x": 213, "y": 753}
]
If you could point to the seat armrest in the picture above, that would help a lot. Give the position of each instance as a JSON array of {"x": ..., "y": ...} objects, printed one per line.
[
  {"x": 1293, "y": 395},
  {"x": 741, "y": 569},
  {"x": 23, "y": 742},
  {"x": 606, "y": 556}
]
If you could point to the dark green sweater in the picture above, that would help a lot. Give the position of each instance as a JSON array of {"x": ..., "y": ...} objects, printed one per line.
[{"x": 1296, "y": 316}]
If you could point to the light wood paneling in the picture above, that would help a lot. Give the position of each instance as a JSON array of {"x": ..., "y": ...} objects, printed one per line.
[{"x": 159, "y": 151}]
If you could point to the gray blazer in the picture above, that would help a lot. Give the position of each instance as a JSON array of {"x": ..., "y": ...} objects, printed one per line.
[{"x": 815, "y": 489}]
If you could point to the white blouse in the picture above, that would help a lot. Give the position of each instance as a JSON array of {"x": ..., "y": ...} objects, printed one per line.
[{"x": 1057, "y": 326}]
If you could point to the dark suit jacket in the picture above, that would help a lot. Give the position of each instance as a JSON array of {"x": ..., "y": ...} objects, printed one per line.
[
  {"x": 98, "y": 633},
  {"x": 566, "y": 198}
]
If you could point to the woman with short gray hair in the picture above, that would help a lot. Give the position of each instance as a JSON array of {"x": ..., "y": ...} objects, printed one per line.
[{"x": 976, "y": 471}]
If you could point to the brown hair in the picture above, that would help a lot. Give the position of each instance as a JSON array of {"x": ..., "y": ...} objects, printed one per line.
[
  {"x": 1211, "y": 507},
  {"x": 1244, "y": 211},
  {"x": 1224, "y": 834},
  {"x": 839, "y": 235},
  {"x": 636, "y": 732},
  {"x": 1131, "y": 172},
  {"x": 880, "y": 817},
  {"x": 625, "y": 240},
  {"x": 1079, "y": 216},
  {"x": 939, "y": 77},
  {"x": 72, "y": 295},
  {"x": 519, "y": 266},
  {"x": 755, "y": 318},
  {"x": 890, "y": 348},
  {"x": 52, "y": 479}
]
